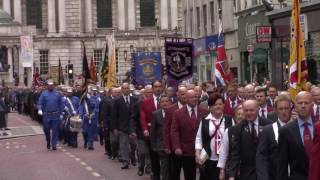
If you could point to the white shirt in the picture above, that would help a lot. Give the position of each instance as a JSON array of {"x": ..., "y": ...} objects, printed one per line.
[
  {"x": 281, "y": 123},
  {"x": 235, "y": 103},
  {"x": 126, "y": 98},
  {"x": 224, "y": 150},
  {"x": 190, "y": 110},
  {"x": 315, "y": 106},
  {"x": 265, "y": 111},
  {"x": 220, "y": 132},
  {"x": 180, "y": 105}
]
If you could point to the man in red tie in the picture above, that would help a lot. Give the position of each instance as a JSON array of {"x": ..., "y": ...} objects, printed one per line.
[
  {"x": 316, "y": 106},
  {"x": 232, "y": 101},
  {"x": 314, "y": 170},
  {"x": 183, "y": 133},
  {"x": 295, "y": 141},
  {"x": 148, "y": 106}
]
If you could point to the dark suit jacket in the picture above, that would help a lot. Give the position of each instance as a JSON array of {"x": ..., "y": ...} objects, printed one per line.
[
  {"x": 292, "y": 152},
  {"x": 167, "y": 126},
  {"x": 267, "y": 159},
  {"x": 243, "y": 151},
  {"x": 156, "y": 139},
  {"x": 272, "y": 116},
  {"x": 146, "y": 109},
  {"x": 184, "y": 130},
  {"x": 135, "y": 126},
  {"x": 109, "y": 113},
  {"x": 123, "y": 113}
]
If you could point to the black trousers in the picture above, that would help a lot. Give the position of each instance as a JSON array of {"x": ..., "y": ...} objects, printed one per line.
[
  {"x": 107, "y": 144},
  {"x": 155, "y": 161},
  {"x": 187, "y": 163},
  {"x": 209, "y": 171}
]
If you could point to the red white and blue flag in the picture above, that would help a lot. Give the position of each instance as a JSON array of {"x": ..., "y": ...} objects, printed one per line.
[{"x": 223, "y": 74}]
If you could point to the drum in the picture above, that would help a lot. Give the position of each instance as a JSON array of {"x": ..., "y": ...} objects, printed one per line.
[{"x": 75, "y": 123}]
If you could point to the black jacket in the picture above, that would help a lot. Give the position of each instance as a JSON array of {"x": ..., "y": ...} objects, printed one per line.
[
  {"x": 243, "y": 151},
  {"x": 156, "y": 139},
  {"x": 267, "y": 159},
  {"x": 135, "y": 126},
  {"x": 292, "y": 152},
  {"x": 122, "y": 110}
]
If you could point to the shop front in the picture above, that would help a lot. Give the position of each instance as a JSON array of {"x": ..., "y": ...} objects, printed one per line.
[
  {"x": 254, "y": 55},
  {"x": 280, "y": 20}
]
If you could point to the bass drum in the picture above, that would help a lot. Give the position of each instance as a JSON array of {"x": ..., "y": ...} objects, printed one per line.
[{"x": 75, "y": 123}]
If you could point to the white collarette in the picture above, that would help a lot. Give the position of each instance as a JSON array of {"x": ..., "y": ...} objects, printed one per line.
[
  {"x": 210, "y": 117},
  {"x": 281, "y": 123}
]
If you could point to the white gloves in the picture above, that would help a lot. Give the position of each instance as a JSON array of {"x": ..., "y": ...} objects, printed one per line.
[
  {"x": 74, "y": 113},
  {"x": 40, "y": 113}
]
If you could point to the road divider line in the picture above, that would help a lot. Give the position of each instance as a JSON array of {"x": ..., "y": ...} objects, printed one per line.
[
  {"x": 83, "y": 163},
  {"x": 95, "y": 174}
]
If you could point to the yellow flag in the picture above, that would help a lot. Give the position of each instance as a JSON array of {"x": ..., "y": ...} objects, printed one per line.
[
  {"x": 112, "y": 80},
  {"x": 298, "y": 72}
]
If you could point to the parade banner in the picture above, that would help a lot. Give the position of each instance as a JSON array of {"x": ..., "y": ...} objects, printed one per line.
[
  {"x": 179, "y": 58},
  {"x": 54, "y": 73},
  {"x": 27, "y": 51},
  {"x": 147, "y": 67}
]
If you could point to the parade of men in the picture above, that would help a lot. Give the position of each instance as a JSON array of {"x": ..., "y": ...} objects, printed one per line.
[{"x": 159, "y": 90}]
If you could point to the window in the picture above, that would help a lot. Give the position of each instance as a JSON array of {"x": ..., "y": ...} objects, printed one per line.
[
  {"x": 44, "y": 61},
  {"x": 198, "y": 21},
  {"x": 104, "y": 13},
  {"x": 204, "y": 12},
  {"x": 34, "y": 13},
  {"x": 117, "y": 60},
  {"x": 212, "y": 16},
  {"x": 147, "y": 13},
  {"x": 97, "y": 59}
]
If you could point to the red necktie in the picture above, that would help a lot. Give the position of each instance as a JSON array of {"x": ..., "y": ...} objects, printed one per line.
[
  {"x": 318, "y": 113},
  {"x": 193, "y": 114},
  {"x": 307, "y": 139}
]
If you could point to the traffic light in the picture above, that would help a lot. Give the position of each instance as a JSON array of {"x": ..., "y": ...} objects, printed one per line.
[{"x": 70, "y": 71}]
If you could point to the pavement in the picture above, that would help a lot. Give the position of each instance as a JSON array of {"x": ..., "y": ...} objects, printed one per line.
[{"x": 23, "y": 155}]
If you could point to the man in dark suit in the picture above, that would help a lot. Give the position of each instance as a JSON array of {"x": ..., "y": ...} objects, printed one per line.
[
  {"x": 316, "y": 103},
  {"x": 272, "y": 94},
  {"x": 183, "y": 132},
  {"x": 295, "y": 141},
  {"x": 156, "y": 135},
  {"x": 267, "y": 160},
  {"x": 232, "y": 101},
  {"x": 244, "y": 143},
  {"x": 121, "y": 122},
  {"x": 146, "y": 109},
  {"x": 261, "y": 97}
]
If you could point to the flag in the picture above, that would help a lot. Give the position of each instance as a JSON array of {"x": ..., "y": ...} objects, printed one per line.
[
  {"x": 60, "y": 74},
  {"x": 112, "y": 62},
  {"x": 223, "y": 73},
  {"x": 298, "y": 71},
  {"x": 105, "y": 66},
  {"x": 36, "y": 78},
  {"x": 85, "y": 68},
  {"x": 93, "y": 71}
]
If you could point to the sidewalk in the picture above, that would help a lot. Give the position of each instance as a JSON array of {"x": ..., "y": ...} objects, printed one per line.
[{"x": 20, "y": 126}]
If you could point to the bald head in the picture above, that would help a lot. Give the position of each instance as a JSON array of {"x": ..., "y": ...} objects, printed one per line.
[
  {"x": 249, "y": 90},
  {"x": 192, "y": 98},
  {"x": 316, "y": 95},
  {"x": 250, "y": 110},
  {"x": 181, "y": 94},
  {"x": 303, "y": 105},
  {"x": 148, "y": 91}
]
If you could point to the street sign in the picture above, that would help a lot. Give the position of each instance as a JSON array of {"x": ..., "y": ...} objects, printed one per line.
[
  {"x": 264, "y": 34},
  {"x": 250, "y": 48}
]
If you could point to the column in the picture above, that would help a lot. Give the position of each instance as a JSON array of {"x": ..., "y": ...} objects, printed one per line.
[
  {"x": 62, "y": 16},
  {"x": 6, "y": 6},
  {"x": 88, "y": 11},
  {"x": 51, "y": 17},
  {"x": 174, "y": 14},
  {"x": 121, "y": 15},
  {"x": 10, "y": 62},
  {"x": 164, "y": 14},
  {"x": 131, "y": 15},
  {"x": 17, "y": 11}
]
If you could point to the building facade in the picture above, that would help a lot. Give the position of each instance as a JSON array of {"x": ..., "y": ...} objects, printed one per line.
[
  {"x": 201, "y": 22},
  {"x": 60, "y": 29}
]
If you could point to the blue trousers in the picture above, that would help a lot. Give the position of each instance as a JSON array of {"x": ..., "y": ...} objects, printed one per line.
[
  {"x": 52, "y": 125},
  {"x": 89, "y": 133}
]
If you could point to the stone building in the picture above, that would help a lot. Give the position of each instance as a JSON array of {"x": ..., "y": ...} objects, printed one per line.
[{"x": 59, "y": 27}]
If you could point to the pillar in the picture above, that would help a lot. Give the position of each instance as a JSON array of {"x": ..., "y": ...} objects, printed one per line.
[
  {"x": 51, "y": 17},
  {"x": 174, "y": 14},
  {"x": 131, "y": 15},
  {"x": 62, "y": 16},
  {"x": 10, "y": 62},
  {"x": 121, "y": 15},
  {"x": 88, "y": 11},
  {"x": 164, "y": 14},
  {"x": 17, "y": 11}
]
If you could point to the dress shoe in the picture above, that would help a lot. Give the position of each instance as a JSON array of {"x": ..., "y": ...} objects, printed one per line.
[
  {"x": 7, "y": 129},
  {"x": 133, "y": 163},
  {"x": 125, "y": 166},
  {"x": 113, "y": 158},
  {"x": 90, "y": 148},
  {"x": 54, "y": 148},
  {"x": 48, "y": 146},
  {"x": 85, "y": 145},
  {"x": 140, "y": 173}
]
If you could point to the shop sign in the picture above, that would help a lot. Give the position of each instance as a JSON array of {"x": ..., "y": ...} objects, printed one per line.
[{"x": 263, "y": 34}]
